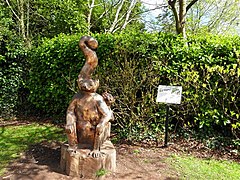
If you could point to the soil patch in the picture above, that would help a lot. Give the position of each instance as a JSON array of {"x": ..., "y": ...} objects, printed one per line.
[{"x": 41, "y": 162}]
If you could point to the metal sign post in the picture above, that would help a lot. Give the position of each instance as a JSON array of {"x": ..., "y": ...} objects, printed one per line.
[
  {"x": 168, "y": 95},
  {"x": 166, "y": 126}
]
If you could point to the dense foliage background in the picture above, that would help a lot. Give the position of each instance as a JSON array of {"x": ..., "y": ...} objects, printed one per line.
[
  {"x": 132, "y": 65},
  {"x": 12, "y": 66},
  {"x": 40, "y": 61}
]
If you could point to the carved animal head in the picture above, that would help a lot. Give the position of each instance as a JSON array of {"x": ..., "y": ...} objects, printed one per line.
[
  {"x": 108, "y": 98},
  {"x": 88, "y": 85}
]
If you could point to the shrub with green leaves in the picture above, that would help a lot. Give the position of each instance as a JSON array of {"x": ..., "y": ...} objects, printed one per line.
[
  {"x": 132, "y": 65},
  {"x": 12, "y": 66},
  {"x": 54, "y": 68}
]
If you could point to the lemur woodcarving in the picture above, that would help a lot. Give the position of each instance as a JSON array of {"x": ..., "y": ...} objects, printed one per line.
[{"x": 89, "y": 113}]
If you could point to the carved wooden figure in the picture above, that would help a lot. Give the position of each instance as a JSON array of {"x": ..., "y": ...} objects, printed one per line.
[{"x": 88, "y": 115}]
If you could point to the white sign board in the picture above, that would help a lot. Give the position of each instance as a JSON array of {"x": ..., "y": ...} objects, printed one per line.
[{"x": 169, "y": 94}]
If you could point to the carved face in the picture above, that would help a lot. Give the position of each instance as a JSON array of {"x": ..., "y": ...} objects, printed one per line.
[
  {"x": 108, "y": 98},
  {"x": 88, "y": 85}
]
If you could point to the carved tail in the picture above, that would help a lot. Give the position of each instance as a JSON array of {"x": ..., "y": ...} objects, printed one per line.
[{"x": 88, "y": 45}]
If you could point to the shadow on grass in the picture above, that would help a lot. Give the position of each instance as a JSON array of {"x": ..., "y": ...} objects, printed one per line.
[
  {"x": 33, "y": 139},
  {"x": 38, "y": 160}
]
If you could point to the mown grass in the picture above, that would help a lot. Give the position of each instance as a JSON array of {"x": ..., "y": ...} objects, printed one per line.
[
  {"x": 15, "y": 139},
  {"x": 191, "y": 167}
]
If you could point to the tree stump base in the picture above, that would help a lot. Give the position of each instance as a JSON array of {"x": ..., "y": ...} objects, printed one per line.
[{"x": 80, "y": 164}]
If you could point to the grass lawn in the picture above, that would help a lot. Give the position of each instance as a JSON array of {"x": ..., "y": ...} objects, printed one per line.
[
  {"x": 15, "y": 139},
  {"x": 190, "y": 167}
]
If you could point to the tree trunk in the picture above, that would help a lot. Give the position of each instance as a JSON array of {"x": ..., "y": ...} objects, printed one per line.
[
  {"x": 22, "y": 25},
  {"x": 91, "y": 6},
  {"x": 27, "y": 25},
  {"x": 182, "y": 17},
  {"x": 172, "y": 4}
]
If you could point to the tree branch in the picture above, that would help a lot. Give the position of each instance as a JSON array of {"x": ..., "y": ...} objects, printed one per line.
[
  {"x": 90, "y": 14},
  {"x": 116, "y": 17},
  {"x": 131, "y": 7},
  {"x": 215, "y": 21},
  {"x": 190, "y": 5},
  {"x": 12, "y": 10},
  {"x": 172, "y": 4}
]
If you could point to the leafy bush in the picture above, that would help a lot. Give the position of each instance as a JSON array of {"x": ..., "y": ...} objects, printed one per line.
[
  {"x": 12, "y": 66},
  {"x": 54, "y": 64},
  {"x": 132, "y": 65}
]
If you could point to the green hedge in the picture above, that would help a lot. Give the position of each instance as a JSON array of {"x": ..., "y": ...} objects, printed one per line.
[
  {"x": 132, "y": 65},
  {"x": 12, "y": 72}
]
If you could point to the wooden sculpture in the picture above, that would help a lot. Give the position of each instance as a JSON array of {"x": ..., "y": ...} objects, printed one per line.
[{"x": 88, "y": 115}]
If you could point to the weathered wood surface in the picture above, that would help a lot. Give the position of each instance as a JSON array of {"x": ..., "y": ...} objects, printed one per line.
[{"x": 79, "y": 164}]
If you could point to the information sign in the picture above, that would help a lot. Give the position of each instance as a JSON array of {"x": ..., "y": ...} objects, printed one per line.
[{"x": 169, "y": 94}]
